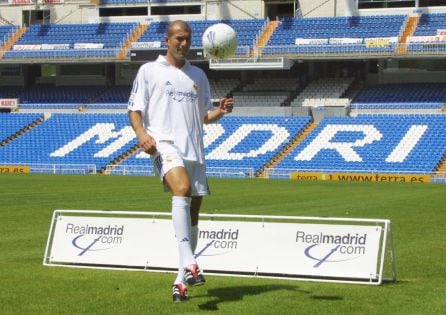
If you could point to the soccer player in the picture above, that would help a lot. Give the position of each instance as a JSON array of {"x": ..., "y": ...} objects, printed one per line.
[{"x": 169, "y": 103}]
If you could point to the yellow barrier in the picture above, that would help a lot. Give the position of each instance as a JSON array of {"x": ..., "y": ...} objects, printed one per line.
[
  {"x": 362, "y": 177},
  {"x": 390, "y": 178},
  {"x": 308, "y": 176},
  {"x": 14, "y": 169}
]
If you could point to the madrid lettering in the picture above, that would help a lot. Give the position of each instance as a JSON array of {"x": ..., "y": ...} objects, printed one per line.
[{"x": 113, "y": 140}]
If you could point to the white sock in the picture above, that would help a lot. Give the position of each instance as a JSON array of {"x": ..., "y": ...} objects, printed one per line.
[
  {"x": 180, "y": 274},
  {"x": 194, "y": 237},
  {"x": 181, "y": 224}
]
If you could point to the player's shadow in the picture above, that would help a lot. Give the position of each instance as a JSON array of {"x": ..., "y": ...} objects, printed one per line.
[{"x": 230, "y": 294}]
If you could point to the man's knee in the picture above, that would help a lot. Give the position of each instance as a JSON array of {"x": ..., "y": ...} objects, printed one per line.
[
  {"x": 177, "y": 180},
  {"x": 181, "y": 189}
]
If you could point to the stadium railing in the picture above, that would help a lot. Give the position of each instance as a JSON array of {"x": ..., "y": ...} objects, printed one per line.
[
  {"x": 291, "y": 51},
  {"x": 439, "y": 177},
  {"x": 360, "y": 50},
  {"x": 220, "y": 172},
  {"x": 84, "y": 169},
  {"x": 230, "y": 172},
  {"x": 130, "y": 170},
  {"x": 214, "y": 172}
]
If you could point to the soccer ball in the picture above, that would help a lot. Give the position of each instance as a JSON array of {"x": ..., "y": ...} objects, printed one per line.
[{"x": 219, "y": 41}]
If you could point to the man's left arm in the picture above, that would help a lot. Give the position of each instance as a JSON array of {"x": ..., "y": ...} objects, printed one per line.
[{"x": 224, "y": 107}]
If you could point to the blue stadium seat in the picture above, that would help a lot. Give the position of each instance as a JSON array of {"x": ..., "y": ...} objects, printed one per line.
[
  {"x": 372, "y": 143},
  {"x": 246, "y": 30},
  {"x": 6, "y": 31},
  {"x": 242, "y": 143},
  {"x": 402, "y": 96},
  {"x": 72, "y": 139},
  {"x": 111, "y": 35},
  {"x": 360, "y": 27},
  {"x": 11, "y": 123},
  {"x": 367, "y": 143}
]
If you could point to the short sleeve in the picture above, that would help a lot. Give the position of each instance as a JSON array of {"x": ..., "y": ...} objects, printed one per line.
[
  {"x": 207, "y": 96},
  {"x": 138, "y": 100}
]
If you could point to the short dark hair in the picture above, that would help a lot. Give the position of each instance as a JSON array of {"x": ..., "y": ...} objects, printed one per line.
[{"x": 181, "y": 23}]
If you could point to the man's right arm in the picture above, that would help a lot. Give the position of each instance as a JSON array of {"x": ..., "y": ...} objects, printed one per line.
[{"x": 145, "y": 141}]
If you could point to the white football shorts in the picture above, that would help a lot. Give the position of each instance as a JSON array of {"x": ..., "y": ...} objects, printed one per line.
[{"x": 168, "y": 156}]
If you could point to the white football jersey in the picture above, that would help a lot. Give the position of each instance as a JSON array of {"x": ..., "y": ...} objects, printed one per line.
[{"x": 173, "y": 103}]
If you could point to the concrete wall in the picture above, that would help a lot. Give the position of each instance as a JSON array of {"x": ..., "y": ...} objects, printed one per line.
[
  {"x": 328, "y": 8},
  {"x": 82, "y": 11}
]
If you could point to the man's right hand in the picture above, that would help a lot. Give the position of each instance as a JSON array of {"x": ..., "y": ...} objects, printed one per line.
[{"x": 147, "y": 143}]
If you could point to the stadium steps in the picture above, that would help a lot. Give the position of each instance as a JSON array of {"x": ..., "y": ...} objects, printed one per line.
[
  {"x": 83, "y": 107},
  {"x": 139, "y": 30},
  {"x": 441, "y": 168},
  {"x": 5, "y": 21},
  {"x": 12, "y": 40},
  {"x": 22, "y": 131},
  {"x": 353, "y": 90},
  {"x": 118, "y": 160},
  {"x": 408, "y": 31},
  {"x": 264, "y": 37},
  {"x": 301, "y": 136}
]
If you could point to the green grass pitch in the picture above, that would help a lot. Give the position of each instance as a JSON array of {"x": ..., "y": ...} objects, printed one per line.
[{"x": 417, "y": 212}]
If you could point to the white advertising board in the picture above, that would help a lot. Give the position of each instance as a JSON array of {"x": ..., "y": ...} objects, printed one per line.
[
  {"x": 9, "y": 103},
  {"x": 88, "y": 45},
  {"x": 55, "y": 46},
  {"x": 146, "y": 45},
  {"x": 311, "y": 41},
  {"x": 345, "y": 40},
  {"x": 26, "y": 47},
  {"x": 349, "y": 252}
]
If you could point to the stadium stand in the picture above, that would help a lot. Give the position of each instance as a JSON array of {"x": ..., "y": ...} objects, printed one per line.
[
  {"x": 94, "y": 139},
  {"x": 96, "y": 40},
  {"x": 372, "y": 143},
  {"x": 425, "y": 36},
  {"x": 10, "y": 91},
  {"x": 5, "y": 32},
  {"x": 324, "y": 92},
  {"x": 222, "y": 87},
  {"x": 101, "y": 136},
  {"x": 54, "y": 97},
  {"x": 430, "y": 23},
  {"x": 11, "y": 124},
  {"x": 402, "y": 96},
  {"x": 334, "y": 34},
  {"x": 293, "y": 36},
  {"x": 266, "y": 92},
  {"x": 247, "y": 31},
  {"x": 243, "y": 142},
  {"x": 367, "y": 143},
  {"x": 112, "y": 98}
]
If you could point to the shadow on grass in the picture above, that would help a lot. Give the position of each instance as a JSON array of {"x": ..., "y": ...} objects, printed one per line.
[
  {"x": 230, "y": 294},
  {"x": 327, "y": 297}
]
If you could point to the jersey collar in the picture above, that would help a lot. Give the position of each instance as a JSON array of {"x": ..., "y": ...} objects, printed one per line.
[{"x": 162, "y": 60}]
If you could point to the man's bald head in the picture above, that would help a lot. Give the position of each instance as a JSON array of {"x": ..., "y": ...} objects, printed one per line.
[{"x": 177, "y": 24}]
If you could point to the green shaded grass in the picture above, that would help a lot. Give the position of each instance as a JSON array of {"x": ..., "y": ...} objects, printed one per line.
[{"x": 417, "y": 212}]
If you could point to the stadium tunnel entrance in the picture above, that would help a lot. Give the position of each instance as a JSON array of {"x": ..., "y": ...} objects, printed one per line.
[
  {"x": 30, "y": 17},
  {"x": 280, "y": 9}
]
